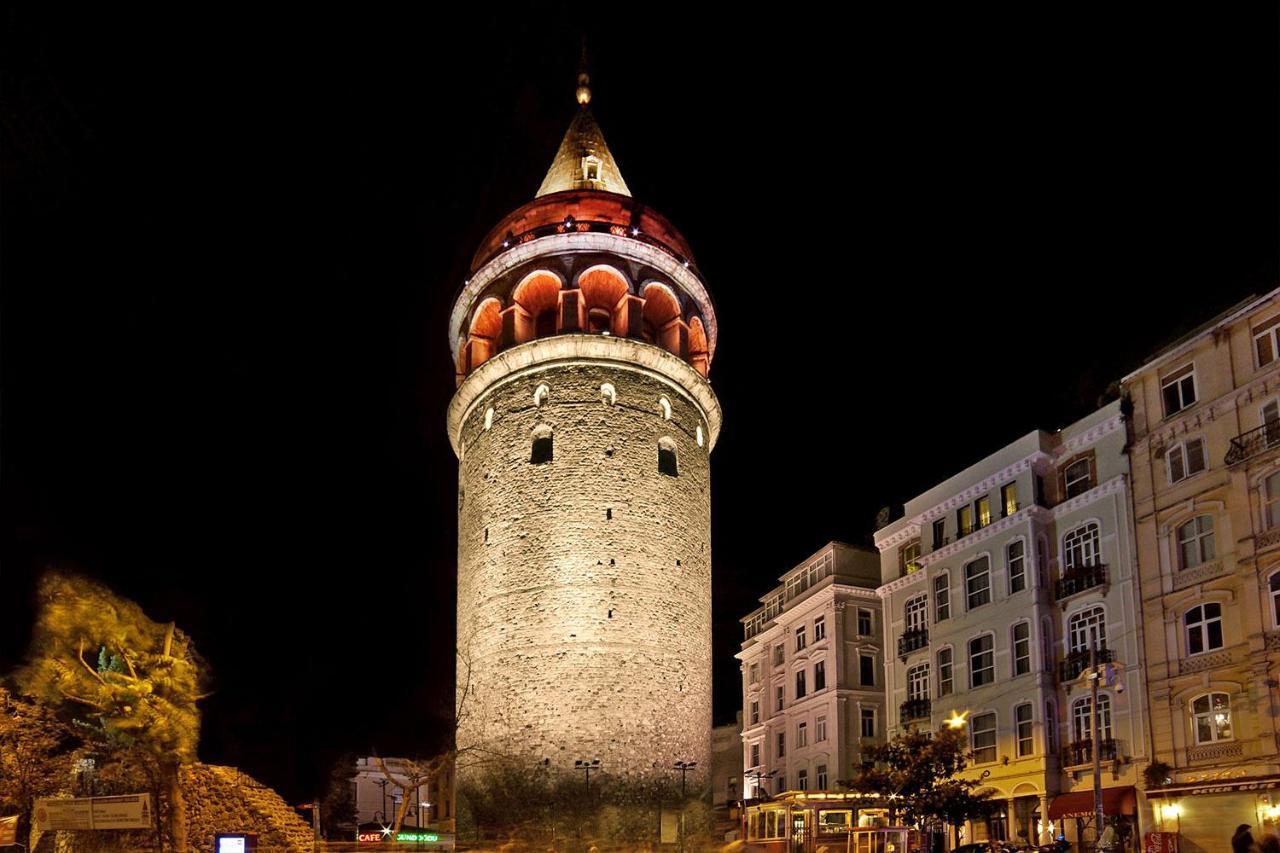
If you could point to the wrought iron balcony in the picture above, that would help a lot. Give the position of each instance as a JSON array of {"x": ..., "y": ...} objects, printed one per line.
[
  {"x": 972, "y": 528},
  {"x": 1077, "y": 662},
  {"x": 910, "y": 641},
  {"x": 1080, "y": 753},
  {"x": 914, "y": 709},
  {"x": 1249, "y": 444},
  {"x": 1078, "y": 580}
]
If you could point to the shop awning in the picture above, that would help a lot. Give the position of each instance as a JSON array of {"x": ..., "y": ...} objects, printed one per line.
[{"x": 1080, "y": 803}]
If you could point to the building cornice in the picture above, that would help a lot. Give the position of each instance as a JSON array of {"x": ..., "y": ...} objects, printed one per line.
[
  {"x": 901, "y": 583},
  {"x": 562, "y": 350},
  {"x": 1110, "y": 487}
]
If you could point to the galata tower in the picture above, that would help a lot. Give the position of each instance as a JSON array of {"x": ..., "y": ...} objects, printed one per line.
[{"x": 583, "y": 423}]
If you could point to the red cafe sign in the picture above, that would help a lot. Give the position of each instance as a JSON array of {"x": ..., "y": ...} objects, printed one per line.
[{"x": 370, "y": 837}]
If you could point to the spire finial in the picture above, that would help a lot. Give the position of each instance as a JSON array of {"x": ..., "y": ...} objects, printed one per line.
[{"x": 584, "y": 79}]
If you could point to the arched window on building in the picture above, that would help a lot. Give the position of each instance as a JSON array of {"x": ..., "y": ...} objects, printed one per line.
[
  {"x": 1211, "y": 718},
  {"x": 1087, "y": 629},
  {"x": 1080, "y": 547},
  {"x": 916, "y": 612},
  {"x": 1273, "y": 585}
]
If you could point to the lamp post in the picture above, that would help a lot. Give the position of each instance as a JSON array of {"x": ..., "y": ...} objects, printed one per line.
[
  {"x": 1096, "y": 741},
  {"x": 683, "y": 767},
  {"x": 760, "y": 776},
  {"x": 586, "y": 767},
  {"x": 383, "y": 782}
]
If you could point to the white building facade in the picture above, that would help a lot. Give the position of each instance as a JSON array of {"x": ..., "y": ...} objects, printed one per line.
[
  {"x": 812, "y": 663},
  {"x": 997, "y": 585}
]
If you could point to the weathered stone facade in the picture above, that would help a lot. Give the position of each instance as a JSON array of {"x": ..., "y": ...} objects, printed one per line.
[{"x": 584, "y": 582}]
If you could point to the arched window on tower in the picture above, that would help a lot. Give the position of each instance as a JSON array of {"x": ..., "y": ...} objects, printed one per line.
[
  {"x": 667, "y": 463},
  {"x": 542, "y": 447}
]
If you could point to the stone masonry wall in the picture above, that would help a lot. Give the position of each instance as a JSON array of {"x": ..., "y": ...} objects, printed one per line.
[{"x": 584, "y": 584}]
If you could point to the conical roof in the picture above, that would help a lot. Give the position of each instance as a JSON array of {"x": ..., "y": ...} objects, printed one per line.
[{"x": 584, "y": 161}]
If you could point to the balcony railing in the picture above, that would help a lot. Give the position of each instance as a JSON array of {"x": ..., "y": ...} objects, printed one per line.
[
  {"x": 1249, "y": 444},
  {"x": 1078, "y": 580},
  {"x": 910, "y": 641},
  {"x": 973, "y": 528},
  {"x": 1080, "y": 753},
  {"x": 1077, "y": 662},
  {"x": 914, "y": 709}
]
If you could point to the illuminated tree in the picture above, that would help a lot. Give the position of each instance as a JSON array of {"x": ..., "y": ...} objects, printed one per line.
[
  {"x": 916, "y": 773},
  {"x": 37, "y": 755},
  {"x": 135, "y": 681}
]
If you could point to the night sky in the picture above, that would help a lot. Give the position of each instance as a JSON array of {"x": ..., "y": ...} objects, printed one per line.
[{"x": 231, "y": 239}]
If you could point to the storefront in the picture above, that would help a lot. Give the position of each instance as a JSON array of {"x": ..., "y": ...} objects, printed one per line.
[
  {"x": 1204, "y": 815},
  {"x": 801, "y": 822},
  {"x": 1072, "y": 816}
]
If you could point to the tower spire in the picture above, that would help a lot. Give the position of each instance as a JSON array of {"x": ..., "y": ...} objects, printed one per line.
[{"x": 583, "y": 161}]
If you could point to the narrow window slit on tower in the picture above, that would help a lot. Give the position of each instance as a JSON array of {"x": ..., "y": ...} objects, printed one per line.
[
  {"x": 486, "y": 534},
  {"x": 542, "y": 448},
  {"x": 677, "y": 564},
  {"x": 667, "y": 457},
  {"x": 611, "y": 561},
  {"x": 611, "y": 613},
  {"x": 608, "y": 514}
]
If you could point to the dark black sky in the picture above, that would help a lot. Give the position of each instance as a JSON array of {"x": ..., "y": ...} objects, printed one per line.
[{"x": 231, "y": 239}]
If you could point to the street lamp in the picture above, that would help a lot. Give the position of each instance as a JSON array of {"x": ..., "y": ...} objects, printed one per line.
[
  {"x": 957, "y": 720},
  {"x": 586, "y": 767},
  {"x": 684, "y": 767}
]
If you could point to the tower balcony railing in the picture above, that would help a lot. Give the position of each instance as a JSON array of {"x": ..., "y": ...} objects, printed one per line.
[
  {"x": 578, "y": 226},
  {"x": 912, "y": 640},
  {"x": 1079, "y": 579},
  {"x": 914, "y": 709},
  {"x": 1077, "y": 662},
  {"x": 1249, "y": 444},
  {"x": 1080, "y": 753}
]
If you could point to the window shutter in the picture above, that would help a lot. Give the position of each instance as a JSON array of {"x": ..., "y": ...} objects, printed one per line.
[
  {"x": 1176, "y": 469},
  {"x": 1195, "y": 456}
]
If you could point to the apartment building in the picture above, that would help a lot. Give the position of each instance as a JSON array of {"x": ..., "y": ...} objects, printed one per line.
[
  {"x": 812, "y": 670},
  {"x": 998, "y": 585},
  {"x": 1205, "y": 451}
]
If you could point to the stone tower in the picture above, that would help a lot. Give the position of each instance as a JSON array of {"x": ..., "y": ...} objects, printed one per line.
[{"x": 583, "y": 423}]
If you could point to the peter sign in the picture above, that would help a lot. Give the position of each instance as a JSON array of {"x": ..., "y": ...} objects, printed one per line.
[{"x": 132, "y": 811}]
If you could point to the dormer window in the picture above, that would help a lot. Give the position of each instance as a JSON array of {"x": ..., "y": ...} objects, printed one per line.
[{"x": 591, "y": 169}]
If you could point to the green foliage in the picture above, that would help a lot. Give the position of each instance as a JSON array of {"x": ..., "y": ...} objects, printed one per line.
[
  {"x": 134, "y": 679},
  {"x": 37, "y": 756},
  {"x": 917, "y": 772},
  {"x": 338, "y": 808}
]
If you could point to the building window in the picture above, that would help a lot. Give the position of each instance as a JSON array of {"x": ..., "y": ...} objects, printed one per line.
[
  {"x": 1082, "y": 719},
  {"x": 755, "y": 755},
  {"x": 941, "y": 597},
  {"x": 819, "y": 628},
  {"x": 868, "y": 718},
  {"x": 945, "y": 683},
  {"x": 1022, "y": 648},
  {"x": 1087, "y": 629},
  {"x": 1025, "y": 730},
  {"x": 755, "y": 712},
  {"x": 1271, "y": 501},
  {"x": 918, "y": 682},
  {"x": 542, "y": 449},
  {"x": 916, "y": 612},
  {"x": 939, "y": 533},
  {"x": 1204, "y": 628},
  {"x": 982, "y": 511},
  {"x": 754, "y": 673},
  {"x": 1211, "y": 717},
  {"x": 864, "y": 622},
  {"x": 800, "y": 684},
  {"x": 982, "y": 660},
  {"x": 977, "y": 583},
  {"x": 820, "y": 729},
  {"x": 867, "y": 670},
  {"x": 820, "y": 675},
  {"x": 1274, "y": 585},
  {"x": 1080, "y": 547},
  {"x": 1178, "y": 389},
  {"x": 1195, "y": 542},
  {"x": 964, "y": 521},
  {"x": 1185, "y": 459},
  {"x": 782, "y": 744},
  {"x": 802, "y": 779},
  {"x": 667, "y": 458},
  {"x": 1008, "y": 499},
  {"x": 1077, "y": 478},
  {"x": 780, "y": 698},
  {"x": 1015, "y": 559},
  {"x": 909, "y": 557},
  {"x": 1266, "y": 346},
  {"x": 488, "y": 418},
  {"x": 802, "y": 735},
  {"x": 779, "y": 655},
  {"x": 822, "y": 777},
  {"x": 983, "y": 730},
  {"x": 800, "y": 640}
]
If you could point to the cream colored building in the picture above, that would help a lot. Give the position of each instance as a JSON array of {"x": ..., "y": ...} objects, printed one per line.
[
  {"x": 812, "y": 670},
  {"x": 996, "y": 584},
  {"x": 1205, "y": 450}
]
